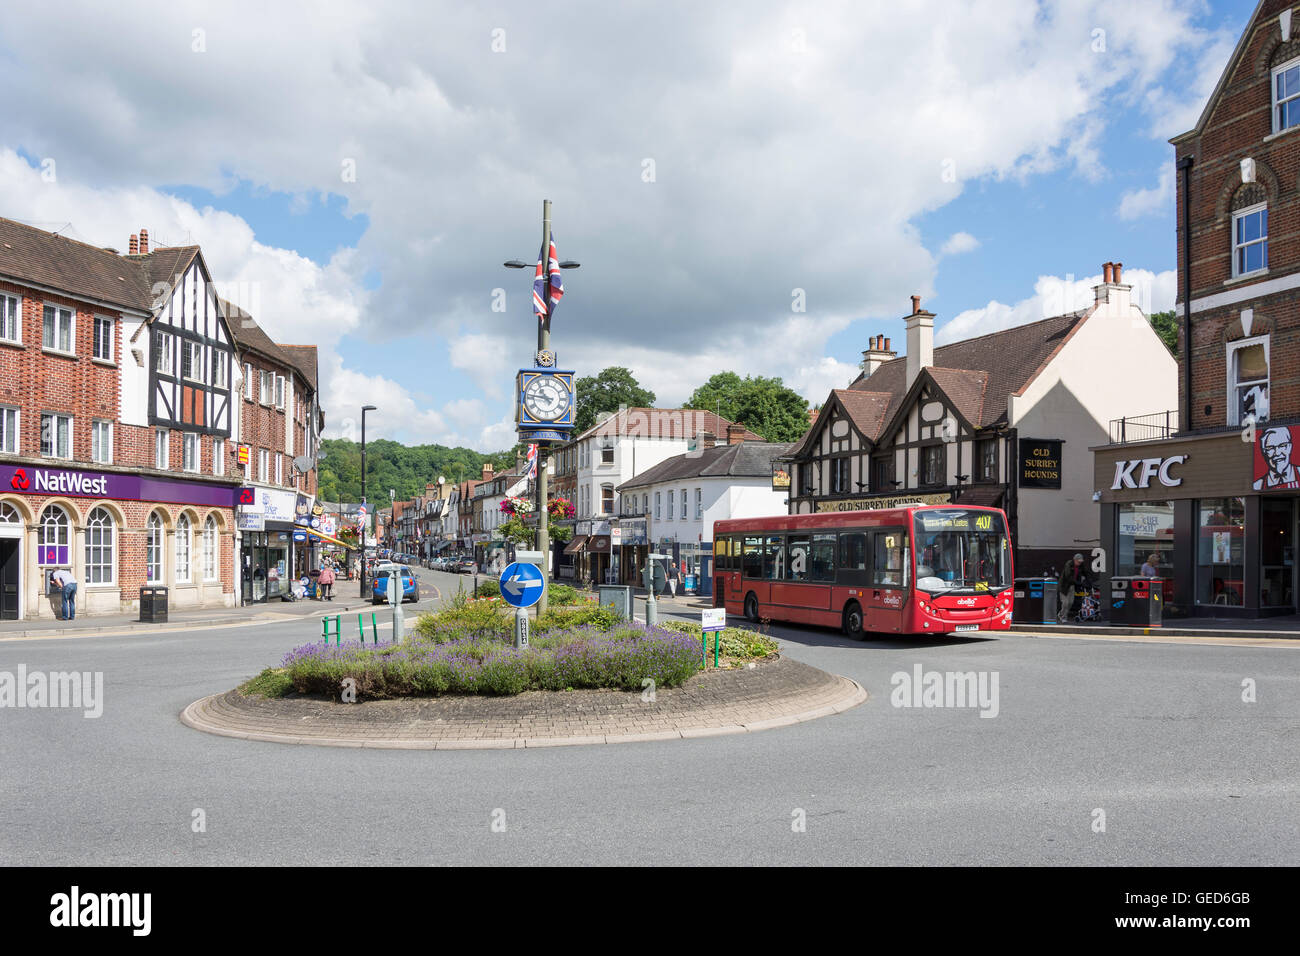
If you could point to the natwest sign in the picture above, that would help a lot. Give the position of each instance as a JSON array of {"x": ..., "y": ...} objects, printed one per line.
[
  {"x": 1138, "y": 472},
  {"x": 75, "y": 483}
]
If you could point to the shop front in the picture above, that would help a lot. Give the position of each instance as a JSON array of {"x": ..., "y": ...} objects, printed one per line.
[
  {"x": 269, "y": 555},
  {"x": 1215, "y": 513}
]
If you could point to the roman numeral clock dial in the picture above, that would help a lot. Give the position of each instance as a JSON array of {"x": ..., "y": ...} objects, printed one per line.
[{"x": 546, "y": 398}]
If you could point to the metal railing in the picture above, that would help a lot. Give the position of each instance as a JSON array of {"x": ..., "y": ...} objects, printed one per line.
[{"x": 1135, "y": 428}]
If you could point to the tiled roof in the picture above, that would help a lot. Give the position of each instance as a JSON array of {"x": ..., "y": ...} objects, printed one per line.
[
  {"x": 304, "y": 360},
  {"x": 249, "y": 335},
  {"x": 665, "y": 423},
  {"x": 28, "y": 254},
  {"x": 866, "y": 410},
  {"x": 743, "y": 460},
  {"x": 1010, "y": 360}
]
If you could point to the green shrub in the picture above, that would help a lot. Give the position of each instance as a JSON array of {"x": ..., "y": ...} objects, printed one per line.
[
  {"x": 489, "y": 587},
  {"x": 563, "y": 594},
  {"x": 737, "y": 643},
  {"x": 272, "y": 682},
  {"x": 579, "y": 615}
]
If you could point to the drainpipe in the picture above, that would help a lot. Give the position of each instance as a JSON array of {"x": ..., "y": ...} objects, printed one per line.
[{"x": 1185, "y": 167}]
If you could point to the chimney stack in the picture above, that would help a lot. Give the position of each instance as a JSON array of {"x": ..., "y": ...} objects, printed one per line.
[
  {"x": 134, "y": 247},
  {"x": 735, "y": 433},
  {"x": 876, "y": 355},
  {"x": 920, "y": 340},
  {"x": 1111, "y": 292},
  {"x": 487, "y": 470},
  {"x": 1119, "y": 271},
  {"x": 708, "y": 439},
  {"x": 1107, "y": 276},
  {"x": 144, "y": 242}
]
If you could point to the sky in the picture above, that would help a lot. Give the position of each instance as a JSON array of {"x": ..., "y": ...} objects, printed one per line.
[{"x": 756, "y": 187}]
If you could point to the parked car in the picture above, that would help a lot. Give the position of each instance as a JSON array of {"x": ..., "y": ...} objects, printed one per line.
[
  {"x": 379, "y": 588},
  {"x": 466, "y": 566}
]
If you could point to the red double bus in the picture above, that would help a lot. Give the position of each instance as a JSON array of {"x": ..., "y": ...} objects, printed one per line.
[{"x": 927, "y": 569}]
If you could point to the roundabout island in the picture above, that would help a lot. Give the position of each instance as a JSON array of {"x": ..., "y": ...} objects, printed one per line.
[{"x": 457, "y": 683}]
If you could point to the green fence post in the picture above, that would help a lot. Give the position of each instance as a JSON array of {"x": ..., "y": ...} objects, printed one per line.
[
  {"x": 704, "y": 650},
  {"x": 374, "y": 629},
  {"x": 716, "y": 642},
  {"x": 361, "y": 623}
]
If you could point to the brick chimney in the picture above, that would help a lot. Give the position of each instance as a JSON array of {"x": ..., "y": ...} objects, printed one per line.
[
  {"x": 144, "y": 242},
  {"x": 876, "y": 355},
  {"x": 920, "y": 340},
  {"x": 133, "y": 248},
  {"x": 487, "y": 470},
  {"x": 708, "y": 439},
  {"x": 735, "y": 434}
]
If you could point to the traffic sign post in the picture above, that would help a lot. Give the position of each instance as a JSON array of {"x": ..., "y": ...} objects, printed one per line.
[
  {"x": 395, "y": 598},
  {"x": 522, "y": 586},
  {"x": 651, "y": 605}
]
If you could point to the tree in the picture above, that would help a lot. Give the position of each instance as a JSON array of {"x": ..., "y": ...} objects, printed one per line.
[
  {"x": 390, "y": 465},
  {"x": 605, "y": 392},
  {"x": 1166, "y": 326},
  {"x": 763, "y": 405}
]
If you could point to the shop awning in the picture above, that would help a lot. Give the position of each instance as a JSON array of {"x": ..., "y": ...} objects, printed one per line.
[
  {"x": 985, "y": 497},
  {"x": 576, "y": 545},
  {"x": 598, "y": 542}
]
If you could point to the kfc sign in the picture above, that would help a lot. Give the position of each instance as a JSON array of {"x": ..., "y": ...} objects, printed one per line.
[
  {"x": 1274, "y": 470},
  {"x": 1138, "y": 472}
]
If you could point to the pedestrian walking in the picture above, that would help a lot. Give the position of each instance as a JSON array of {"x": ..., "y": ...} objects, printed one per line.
[
  {"x": 64, "y": 580},
  {"x": 325, "y": 583},
  {"x": 672, "y": 578},
  {"x": 1074, "y": 581}
]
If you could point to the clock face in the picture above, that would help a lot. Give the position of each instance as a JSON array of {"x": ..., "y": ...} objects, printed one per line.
[{"x": 546, "y": 398}]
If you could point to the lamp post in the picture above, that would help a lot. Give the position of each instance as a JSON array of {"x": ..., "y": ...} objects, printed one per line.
[
  {"x": 362, "y": 531},
  {"x": 543, "y": 344}
]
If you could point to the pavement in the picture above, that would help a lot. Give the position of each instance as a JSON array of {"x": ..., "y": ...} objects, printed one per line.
[{"x": 1135, "y": 752}]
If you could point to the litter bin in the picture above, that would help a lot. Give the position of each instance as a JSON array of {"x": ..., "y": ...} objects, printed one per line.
[
  {"x": 153, "y": 605},
  {"x": 1136, "y": 601},
  {"x": 1036, "y": 601},
  {"x": 691, "y": 583},
  {"x": 619, "y": 597}
]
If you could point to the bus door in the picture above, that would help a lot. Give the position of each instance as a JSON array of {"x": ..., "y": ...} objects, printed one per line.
[
  {"x": 810, "y": 570},
  {"x": 751, "y": 569},
  {"x": 888, "y": 589}
]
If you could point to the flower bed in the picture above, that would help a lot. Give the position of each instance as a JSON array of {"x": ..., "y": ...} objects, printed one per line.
[{"x": 475, "y": 663}]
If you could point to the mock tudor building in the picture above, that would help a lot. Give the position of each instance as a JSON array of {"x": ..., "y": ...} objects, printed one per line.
[
  {"x": 1218, "y": 498},
  {"x": 1002, "y": 420},
  {"x": 116, "y": 396}
]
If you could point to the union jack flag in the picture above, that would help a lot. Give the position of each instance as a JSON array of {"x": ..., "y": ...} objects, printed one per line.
[
  {"x": 543, "y": 304},
  {"x": 532, "y": 462}
]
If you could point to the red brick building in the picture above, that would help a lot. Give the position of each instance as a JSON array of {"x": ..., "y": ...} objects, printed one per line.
[
  {"x": 1217, "y": 500},
  {"x": 115, "y": 419}
]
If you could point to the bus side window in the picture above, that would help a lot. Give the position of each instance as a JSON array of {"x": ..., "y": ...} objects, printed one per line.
[
  {"x": 887, "y": 558},
  {"x": 800, "y": 559},
  {"x": 753, "y": 557},
  {"x": 721, "y": 554},
  {"x": 823, "y": 558},
  {"x": 774, "y": 558},
  {"x": 853, "y": 558}
]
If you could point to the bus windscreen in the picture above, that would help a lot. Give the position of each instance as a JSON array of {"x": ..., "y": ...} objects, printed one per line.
[{"x": 961, "y": 551}]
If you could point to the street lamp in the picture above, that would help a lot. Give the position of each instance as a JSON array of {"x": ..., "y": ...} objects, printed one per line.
[
  {"x": 543, "y": 344},
  {"x": 362, "y": 531}
]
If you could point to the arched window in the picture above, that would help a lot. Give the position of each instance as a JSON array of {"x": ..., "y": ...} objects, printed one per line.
[
  {"x": 210, "y": 549},
  {"x": 184, "y": 542},
  {"x": 9, "y": 514},
  {"x": 99, "y": 547},
  {"x": 153, "y": 549},
  {"x": 55, "y": 539}
]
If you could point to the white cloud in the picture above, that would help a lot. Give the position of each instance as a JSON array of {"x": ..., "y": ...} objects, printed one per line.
[
  {"x": 1137, "y": 203},
  {"x": 958, "y": 243},
  {"x": 1054, "y": 295}
]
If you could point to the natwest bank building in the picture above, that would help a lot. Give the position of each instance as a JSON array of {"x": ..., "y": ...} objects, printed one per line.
[{"x": 117, "y": 531}]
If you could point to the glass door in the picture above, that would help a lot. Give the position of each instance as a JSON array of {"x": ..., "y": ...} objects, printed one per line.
[{"x": 1277, "y": 553}]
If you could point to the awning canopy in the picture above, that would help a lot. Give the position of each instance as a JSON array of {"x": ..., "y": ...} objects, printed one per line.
[
  {"x": 576, "y": 545},
  {"x": 598, "y": 542},
  {"x": 987, "y": 497}
]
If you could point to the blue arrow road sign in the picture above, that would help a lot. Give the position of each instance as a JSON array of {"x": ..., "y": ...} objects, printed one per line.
[{"x": 521, "y": 585}]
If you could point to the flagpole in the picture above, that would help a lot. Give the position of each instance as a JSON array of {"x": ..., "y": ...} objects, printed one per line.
[{"x": 544, "y": 342}]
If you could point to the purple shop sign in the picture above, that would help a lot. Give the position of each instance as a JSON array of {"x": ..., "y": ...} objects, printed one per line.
[{"x": 73, "y": 483}]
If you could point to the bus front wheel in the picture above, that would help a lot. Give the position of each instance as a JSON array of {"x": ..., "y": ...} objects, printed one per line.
[
  {"x": 853, "y": 621},
  {"x": 751, "y": 608}
]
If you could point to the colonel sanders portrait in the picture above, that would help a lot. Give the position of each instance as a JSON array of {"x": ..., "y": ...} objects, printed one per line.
[{"x": 1275, "y": 446}]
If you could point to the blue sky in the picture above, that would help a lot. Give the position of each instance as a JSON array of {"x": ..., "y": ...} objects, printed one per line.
[{"x": 359, "y": 178}]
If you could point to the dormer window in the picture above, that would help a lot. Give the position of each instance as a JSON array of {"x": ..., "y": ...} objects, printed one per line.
[
  {"x": 1249, "y": 240},
  {"x": 1286, "y": 96}
]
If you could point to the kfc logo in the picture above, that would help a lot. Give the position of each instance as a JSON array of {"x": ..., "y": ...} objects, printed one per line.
[{"x": 20, "y": 481}]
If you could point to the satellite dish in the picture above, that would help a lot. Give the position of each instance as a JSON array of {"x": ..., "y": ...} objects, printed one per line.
[{"x": 304, "y": 463}]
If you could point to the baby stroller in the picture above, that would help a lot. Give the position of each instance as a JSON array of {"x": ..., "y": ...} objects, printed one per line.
[{"x": 1090, "y": 606}]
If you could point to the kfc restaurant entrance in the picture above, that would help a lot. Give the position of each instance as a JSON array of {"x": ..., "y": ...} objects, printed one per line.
[{"x": 1219, "y": 512}]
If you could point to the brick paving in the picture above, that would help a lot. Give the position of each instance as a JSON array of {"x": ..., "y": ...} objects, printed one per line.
[{"x": 771, "y": 694}]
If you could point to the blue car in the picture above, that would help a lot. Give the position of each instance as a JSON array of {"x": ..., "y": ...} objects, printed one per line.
[{"x": 379, "y": 589}]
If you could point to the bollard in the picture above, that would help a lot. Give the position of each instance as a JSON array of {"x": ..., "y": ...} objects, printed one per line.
[
  {"x": 374, "y": 629},
  {"x": 361, "y": 624}
]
